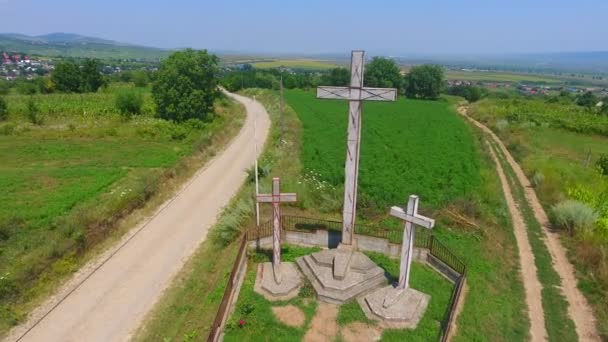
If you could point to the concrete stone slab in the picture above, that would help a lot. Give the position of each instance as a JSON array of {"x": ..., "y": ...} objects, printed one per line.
[
  {"x": 360, "y": 277},
  {"x": 288, "y": 288},
  {"x": 395, "y": 308}
]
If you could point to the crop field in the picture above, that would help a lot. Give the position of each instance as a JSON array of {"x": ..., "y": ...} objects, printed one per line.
[
  {"x": 537, "y": 112},
  {"x": 400, "y": 154},
  {"x": 495, "y": 76},
  {"x": 65, "y": 181},
  {"x": 309, "y": 64}
]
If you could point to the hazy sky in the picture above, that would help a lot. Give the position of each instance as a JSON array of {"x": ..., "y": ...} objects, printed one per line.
[{"x": 325, "y": 26}]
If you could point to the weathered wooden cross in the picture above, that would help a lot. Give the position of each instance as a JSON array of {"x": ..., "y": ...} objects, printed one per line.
[
  {"x": 276, "y": 198},
  {"x": 411, "y": 218},
  {"x": 355, "y": 94}
]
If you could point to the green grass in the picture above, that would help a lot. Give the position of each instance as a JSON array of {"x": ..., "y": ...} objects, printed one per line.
[
  {"x": 407, "y": 147},
  {"x": 566, "y": 158},
  {"x": 426, "y": 280},
  {"x": 557, "y": 321},
  {"x": 304, "y": 64},
  {"x": 537, "y": 112},
  {"x": 261, "y": 325},
  {"x": 65, "y": 184},
  {"x": 256, "y": 311}
]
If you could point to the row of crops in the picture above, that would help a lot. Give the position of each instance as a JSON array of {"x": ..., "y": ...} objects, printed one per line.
[{"x": 408, "y": 147}]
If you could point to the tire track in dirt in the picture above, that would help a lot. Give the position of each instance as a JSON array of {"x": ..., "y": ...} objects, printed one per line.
[{"x": 532, "y": 286}]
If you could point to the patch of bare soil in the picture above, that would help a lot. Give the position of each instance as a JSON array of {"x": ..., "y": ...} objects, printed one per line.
[
  {"x": 361, "y": 332},
  {"x": 323, "y": 326},
  {"x": 289, "y": 315}
]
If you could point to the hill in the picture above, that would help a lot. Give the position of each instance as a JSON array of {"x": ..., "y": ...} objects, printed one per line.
[{"x": 74, "y": 45}]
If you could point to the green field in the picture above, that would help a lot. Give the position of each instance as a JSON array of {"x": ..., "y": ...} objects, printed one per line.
[
  {"x": 305, "y": 64},
  {"x": 64, "y": 183},
  {"x": 496, "y": 76},
  {"x": 407, "y": 147}
]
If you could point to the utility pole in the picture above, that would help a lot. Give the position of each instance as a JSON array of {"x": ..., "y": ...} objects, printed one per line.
[
  {"x": 282, "y": 121},
  {"x": 257, "y": 183}
]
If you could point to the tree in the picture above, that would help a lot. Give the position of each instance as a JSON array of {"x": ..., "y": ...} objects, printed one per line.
[
  {"x": 604, "y": 109},
  {"x": 67, "y": 77},
  {"x": 91, "y": 79},
  {"x": 470, "y": 93},
  {"x": 588, "y": 99},
  {"x": 3, "y": 109},
  {"x": 382, "y": 72},
  {"x": 339, "y": 77},
  {"x": 186, "y": 85},
  {"x": 424, "y": 81}
]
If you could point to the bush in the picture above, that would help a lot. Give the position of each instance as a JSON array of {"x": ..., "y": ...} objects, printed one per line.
[
  {"x": 3, "y": 109},
  {"x": 602, "y": 164},
  {"x": 129, "y": 103},
  {"x": 33, "y": 112},
  {"x": 573, "y": 215}
]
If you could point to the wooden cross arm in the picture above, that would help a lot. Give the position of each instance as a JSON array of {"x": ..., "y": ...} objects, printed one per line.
[
  {"x": 416, "y": 219},
  {"x": 269, "y": 198},
  {"x": 357, "y": 94}
]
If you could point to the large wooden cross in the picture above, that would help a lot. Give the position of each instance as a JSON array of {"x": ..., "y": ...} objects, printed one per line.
[
  {"x": 411, "y": 218},
  {"x": 276, "y": 198},
  {"x": 355, "y": 94}
]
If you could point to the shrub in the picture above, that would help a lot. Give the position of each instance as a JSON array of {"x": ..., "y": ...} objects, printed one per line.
[
  {"x": 129, "y": 103},
  {"x": 33, "y": 112},
  {"x": 537, "y": 178},
  {"x": 573, "y": 215},
  {"x": 3, "y": 109},
  {"x": 602, "y": 164}
]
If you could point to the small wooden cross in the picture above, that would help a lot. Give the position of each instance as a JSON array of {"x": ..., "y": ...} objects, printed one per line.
[
  {"x": 411, "y": 218},
  {"x": 276, "y": 198}
]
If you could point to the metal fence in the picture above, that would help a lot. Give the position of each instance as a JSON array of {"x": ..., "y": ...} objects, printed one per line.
[{"x": 423, "y": 239}]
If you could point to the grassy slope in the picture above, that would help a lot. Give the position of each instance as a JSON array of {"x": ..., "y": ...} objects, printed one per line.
[
  {"x": 566, "y": 160},
  {"x": 65, "y": 184}
]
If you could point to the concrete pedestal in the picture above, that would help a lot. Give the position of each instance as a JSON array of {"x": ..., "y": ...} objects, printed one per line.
[
  {"x": 339, "y": 275},
  {"x": 395, "y": 308},
  {"x": 288, "y": 288}
]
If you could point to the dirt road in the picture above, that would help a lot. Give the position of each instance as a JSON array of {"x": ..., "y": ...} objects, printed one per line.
[
  {"x": 107, "y": 300},
  {"x": 532, "y": 286},
  {"x": 578, "y": 309}
]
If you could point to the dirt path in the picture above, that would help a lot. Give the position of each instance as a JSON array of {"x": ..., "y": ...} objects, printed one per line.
[
  {"x": 108, "y": 298},
  {"x": 323, "y": 327},
  {"x": 532, "y": 285},
  {"x": 579, "y": 309}
]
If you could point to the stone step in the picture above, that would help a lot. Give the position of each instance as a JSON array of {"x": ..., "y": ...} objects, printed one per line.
[{"x": 341, "y": 294}]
